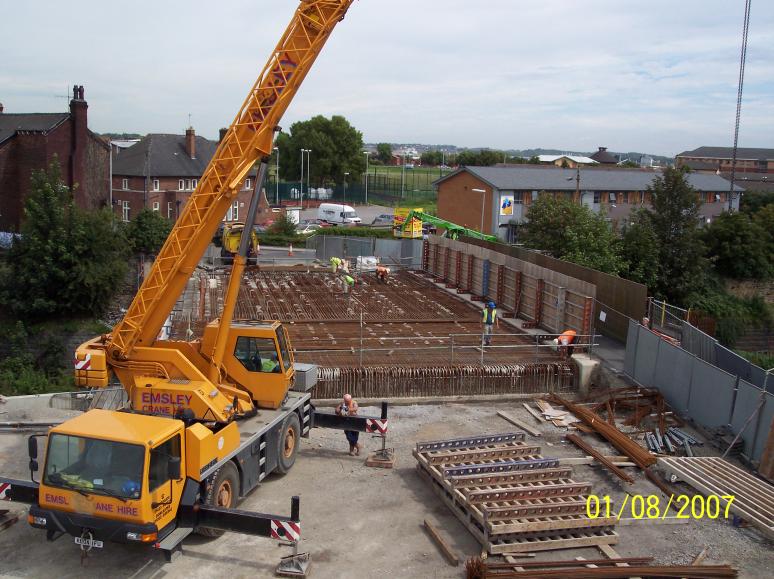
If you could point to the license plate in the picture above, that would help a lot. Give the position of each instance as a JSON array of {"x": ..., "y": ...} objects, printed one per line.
[{"x": 88, "y": 542}]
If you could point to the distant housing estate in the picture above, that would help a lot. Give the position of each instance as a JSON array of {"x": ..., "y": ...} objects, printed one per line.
[
  {"x": 748, "y": 160},
  {"x": 496, "y": 199}
]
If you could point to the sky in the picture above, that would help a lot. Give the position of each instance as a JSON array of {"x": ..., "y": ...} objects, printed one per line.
[{"x": 657, "y": 76}]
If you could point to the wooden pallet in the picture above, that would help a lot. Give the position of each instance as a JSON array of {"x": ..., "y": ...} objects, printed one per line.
[
  {"x": 507, "y": 499},
  {"x": 753, "y": 498}
]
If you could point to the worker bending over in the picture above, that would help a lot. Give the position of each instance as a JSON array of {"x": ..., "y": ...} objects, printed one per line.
[
  {"x": 490, "y": 321},
  {"x": 348, "y": 407},
  {"x": 382, "y": 271},
  {"x": 565, "y": 341}
]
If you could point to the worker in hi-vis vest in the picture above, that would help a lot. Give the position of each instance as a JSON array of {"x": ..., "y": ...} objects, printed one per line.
[{"x": 489, "y": 320}]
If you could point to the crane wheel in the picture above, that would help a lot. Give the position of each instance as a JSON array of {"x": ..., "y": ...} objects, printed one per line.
[
  {"x": 223, "y": 492},
  {"x": 289, "y": 439}
]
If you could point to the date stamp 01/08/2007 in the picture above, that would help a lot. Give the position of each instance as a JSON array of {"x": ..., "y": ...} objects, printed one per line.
[{"x": 652, "y": 507}]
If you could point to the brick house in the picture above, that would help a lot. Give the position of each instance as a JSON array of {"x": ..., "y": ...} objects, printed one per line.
[
  {"x": 31, "y": 141},
  {"x": 748, "y": 160},
  {"x": 505, "y": 193},
  {"x": 161, "y": 171}
]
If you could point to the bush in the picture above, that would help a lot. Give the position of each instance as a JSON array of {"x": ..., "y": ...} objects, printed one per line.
[{"x": 356, "y": 232}]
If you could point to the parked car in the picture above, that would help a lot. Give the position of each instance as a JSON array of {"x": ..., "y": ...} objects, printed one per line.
[{"x": 383, "y": 220}]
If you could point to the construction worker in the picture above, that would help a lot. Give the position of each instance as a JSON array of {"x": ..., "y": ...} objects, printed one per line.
[
  {"x": 348, "y": 407},
  {"x": 489, "y": 320},
  {"x": 565, "y": 342},
  {"x": 382, "y": 271},
  {"x": 335, "y": 264},
  {"x": 349, "y": 283}
]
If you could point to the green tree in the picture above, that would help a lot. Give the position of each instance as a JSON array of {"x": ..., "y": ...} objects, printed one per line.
[
  {"x": 432, "y": 158},
  {"x": 148, "y": 231},
  {"x": 534, "y": 160},
  {"x": 640, "y": 249},
  {"x": 754, "y": 201},
  {"x": 675, "y": 219},
  {"x": 66, "y": 261},
  {"x": 384, "y": 153},
  {"x": 337, "y": 148},
  {"x": 765, "y": 219},
  {"x": 283, "y": 226},
  {"x": 572, "y": 232},
  {"x": 738, "y": 246}
]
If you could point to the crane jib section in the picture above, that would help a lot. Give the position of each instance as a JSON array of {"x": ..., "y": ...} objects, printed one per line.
[{"x": 249, "y": 138}]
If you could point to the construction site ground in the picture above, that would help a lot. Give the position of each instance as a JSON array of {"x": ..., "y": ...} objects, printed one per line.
[{"x": 367, "y": 522}]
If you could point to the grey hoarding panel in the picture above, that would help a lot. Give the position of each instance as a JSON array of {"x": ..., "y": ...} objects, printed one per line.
[
  {"x": 765, "y": 425},
  {"x": 747, "y": 399},
  {"x": 673, "y": 375},
  {"x": 631, "y": 347},
  {"x": 733, "y": 363},
  {"x": 712, "y": 395},
  {"x": 647, "y": 353},
  {"x": 698, "y": 343}
]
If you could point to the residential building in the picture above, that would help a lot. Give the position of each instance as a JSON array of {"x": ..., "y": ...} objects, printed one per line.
[
  {"x": 496, "y": 199},
  {"x": 603, "y": 157},
  {"x": 161, "y": 171},
  {"x": 570, "y": 161},
  {"x": 748, "y": 160},
  {"x": 31, "y": 141}
]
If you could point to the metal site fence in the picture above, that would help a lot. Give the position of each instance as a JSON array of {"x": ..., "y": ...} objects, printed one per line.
[
  {"x": 696, "y": 388},
  {"x": 382, "y": 189}
]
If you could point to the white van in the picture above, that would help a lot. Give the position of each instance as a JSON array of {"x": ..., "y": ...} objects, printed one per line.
[{"x": 337, "y": 214}]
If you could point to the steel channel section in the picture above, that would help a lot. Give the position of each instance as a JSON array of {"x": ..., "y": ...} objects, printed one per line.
[
  {"x": 469, "y": 442},
  {"x": 471, "y": 455},
  {"x": 516, "y": 494},
  {"x": 510, "y": 478},
  {"x": 506, "y": 466}
]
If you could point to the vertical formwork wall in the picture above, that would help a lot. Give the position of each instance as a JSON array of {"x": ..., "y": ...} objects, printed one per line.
[{"x": 544, "y": 298}]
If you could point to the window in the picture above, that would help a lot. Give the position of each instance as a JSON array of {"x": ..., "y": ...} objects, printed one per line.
[
  {"x": 170, "y": 210},
  {"x": 194, "y": 183},
  {"x": 181, "y": 185},
  {"x": 125, "y": 211},
  {"x": 518, "y": 198},
  {"x": 155, "y": 205},
  {"x": 257, "y": 354},
  {"x": 283, "y": 345},
  {"x": 156, "y": 185},
  {"x": 248, "y": 183},
  {"x": 125, "y": 184},
  {"x": 188, "y": 185},
  {"x": 158, "y": 473},
  {"x": 597, "y": 197},
  {"x": 235, "y": 211},
  {"x": 535, "y": 195}
]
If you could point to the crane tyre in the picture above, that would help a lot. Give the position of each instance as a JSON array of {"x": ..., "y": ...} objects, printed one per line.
[
  {"x": 289, "y": 439},
  {"x": 223, "y": 492}
]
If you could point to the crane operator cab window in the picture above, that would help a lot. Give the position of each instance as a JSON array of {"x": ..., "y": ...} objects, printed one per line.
[
  {"x": 158, "y": 472},
  {"x": 257, "y": 354},
  {"x": 95, "y": 466}
]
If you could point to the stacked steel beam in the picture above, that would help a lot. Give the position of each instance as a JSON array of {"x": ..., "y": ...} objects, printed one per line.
[{"x": 510, "y": 497}]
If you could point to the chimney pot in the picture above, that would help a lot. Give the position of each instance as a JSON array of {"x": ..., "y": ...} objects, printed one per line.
[
  {"x": 223, "y": 132},
  {"x": 190, "y": 142},
  {"x": 1, "y": 107}
]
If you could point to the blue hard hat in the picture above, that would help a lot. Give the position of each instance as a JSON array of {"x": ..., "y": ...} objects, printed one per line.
[
  {"x": 130, "y": 487},
  {"x": 490, "y": 305}
]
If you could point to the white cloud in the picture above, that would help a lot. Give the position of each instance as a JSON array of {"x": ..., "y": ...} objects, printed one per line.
[{"x": 657, "y": 76}]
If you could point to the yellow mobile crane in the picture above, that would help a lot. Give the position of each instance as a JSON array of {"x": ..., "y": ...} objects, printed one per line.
[{"x": 208, "y": 419}]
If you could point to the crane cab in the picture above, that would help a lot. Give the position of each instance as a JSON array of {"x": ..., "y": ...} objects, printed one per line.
[{"x": 258, "y": 359}]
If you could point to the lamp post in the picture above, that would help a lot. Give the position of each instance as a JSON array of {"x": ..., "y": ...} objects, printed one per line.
[
  {"x": 302, "y": 178},
  {"x": 483, "y": 198},
  {"x": 276, "y": 176},
  {"x": 345, "y": 186},
  {"x": 308, "y": 172},
  {"x": 366, "y": 153}
]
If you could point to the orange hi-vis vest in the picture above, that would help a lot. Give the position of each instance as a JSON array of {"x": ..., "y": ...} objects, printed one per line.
[{"x": 567, "y": 337}]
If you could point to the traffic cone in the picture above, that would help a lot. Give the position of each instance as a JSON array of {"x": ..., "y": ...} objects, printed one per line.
[{"x": 290, "y": 250}]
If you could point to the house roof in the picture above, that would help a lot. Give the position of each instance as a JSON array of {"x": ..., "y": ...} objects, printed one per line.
[
  {"x": 574, "y": 158},
  {"x": 167, "y": 155},
  {"x": 11, "y": 123},
  {"x": 527, "y": 178},
  {"x": 727, "y": 152},
  {"x": 602, "y": 156}
]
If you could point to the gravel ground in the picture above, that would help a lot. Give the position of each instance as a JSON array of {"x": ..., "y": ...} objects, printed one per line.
[{"x": 363, "y": 522}]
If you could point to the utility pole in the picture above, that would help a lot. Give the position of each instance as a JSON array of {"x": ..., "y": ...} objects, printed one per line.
[
  {"x": 308, "y": 173},
  {"x": 366, "y": 153},
  {"x": 276, "y": 197}
]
